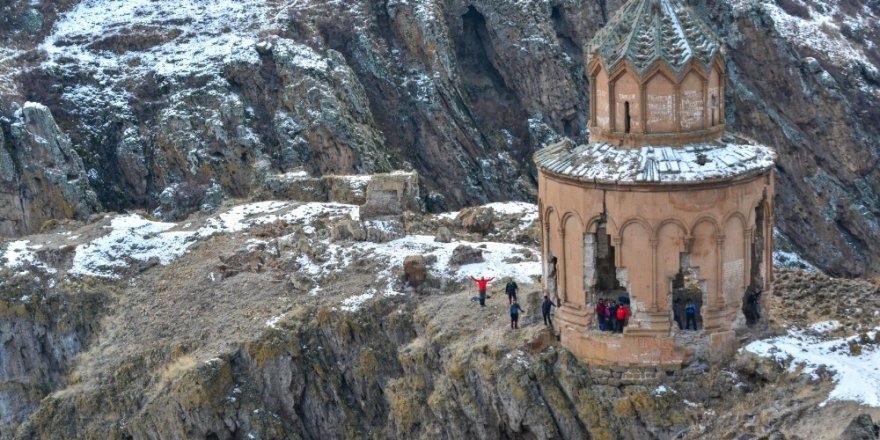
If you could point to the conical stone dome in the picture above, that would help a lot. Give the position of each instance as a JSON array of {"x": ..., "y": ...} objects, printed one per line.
[{"x": 646, "y": 31}]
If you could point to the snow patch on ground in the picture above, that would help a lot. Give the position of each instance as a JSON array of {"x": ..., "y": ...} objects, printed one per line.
[
  {"x": 131, "y": 237},
  {"x": 20, "y": 254},
  {"x": 662, "y": 390},
  {"x": 791, "y": 260},
  {"x": 494, "y": 256},
  {"x": 857, "y": 378},
  {"x": 527, "y": 211},
  {"x": 352, "y": 304},
  {"x": 134, "y": 238}
]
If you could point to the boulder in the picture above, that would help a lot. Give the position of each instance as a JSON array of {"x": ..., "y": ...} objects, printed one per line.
[
  {"x": 478, "y": 220},
  {"x": 443, "y": 235},
  {"x": 391, "y": 195},
  {"x": 464, "y": 254},
  {"x": 384, "y": 230},
  {"x": 178, "y": 200},
  {"x": 415, "y": 270},
  {"x": 862, "y": 427},
  {"x": 348, "y": 230}
]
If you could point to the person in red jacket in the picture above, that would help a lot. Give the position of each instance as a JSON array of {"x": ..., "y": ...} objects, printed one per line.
[
  {"x": 482, "y": 282},
  {"x": 623, "y": 314},
  {"x": 600, "y": 313}
]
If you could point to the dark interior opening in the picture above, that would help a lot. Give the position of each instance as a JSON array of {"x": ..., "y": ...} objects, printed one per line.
[
  {"x": 751, "y": 297},
  {"x": 626, "y": 119},
  {"x": 687, "y": 291},
  {"x": 606, "y": 272}
]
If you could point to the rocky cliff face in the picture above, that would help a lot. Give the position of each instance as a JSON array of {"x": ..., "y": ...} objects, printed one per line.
[
  {"x": 301, "y": 320},
  {"x": 219, "y": 98},
  {"x": 43, "y": 176}
]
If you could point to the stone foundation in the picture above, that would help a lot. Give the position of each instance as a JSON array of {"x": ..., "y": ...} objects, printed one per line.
[{"x": 603, "y": 348}]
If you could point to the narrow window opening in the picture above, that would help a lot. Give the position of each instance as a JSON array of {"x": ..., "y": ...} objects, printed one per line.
[
  {"x": 687, "y": 296},
  {"x": 626, "y": 118},
  {"x": 552, "y": 276}
]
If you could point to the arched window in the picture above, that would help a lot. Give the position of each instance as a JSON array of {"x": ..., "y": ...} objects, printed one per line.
[{"x": 626, "y": 118}]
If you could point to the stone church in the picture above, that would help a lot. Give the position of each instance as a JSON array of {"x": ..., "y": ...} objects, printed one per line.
[{"x": 663, "y": 207}]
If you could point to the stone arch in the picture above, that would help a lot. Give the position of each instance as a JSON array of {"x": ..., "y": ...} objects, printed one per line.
[
  {"x": 549, "y": 211},
  {"x": 671, "y": 221},
  {"x": 716, "y": 228},
  {"x": 573, "y": 251},
  {"x": 660, "y": 102},
  {"x": 735, "y": 214},
  {"x": 592, "y": 224},
  {"x": 635, "y": 221},
  {"x": 569, "y": 215}
]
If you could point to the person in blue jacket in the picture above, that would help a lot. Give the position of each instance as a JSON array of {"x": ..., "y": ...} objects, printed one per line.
[{"x": 514, "y": 314}]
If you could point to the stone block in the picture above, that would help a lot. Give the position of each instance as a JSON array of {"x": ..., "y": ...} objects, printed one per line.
[{"x": 391, "y": 195}]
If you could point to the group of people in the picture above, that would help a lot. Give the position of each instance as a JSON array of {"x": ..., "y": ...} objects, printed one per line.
[
  {"x": 690, "y": 315},
  {"x": 511, "y": 289},
  {"x": 612, "y": 315}
]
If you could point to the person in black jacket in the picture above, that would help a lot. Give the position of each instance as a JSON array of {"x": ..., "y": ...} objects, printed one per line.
[
  {"x": 511, "y": 288},
  {"x": 545, "y": 310}
]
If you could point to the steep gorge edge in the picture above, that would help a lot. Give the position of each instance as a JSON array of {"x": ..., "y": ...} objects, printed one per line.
[{"x": 390, "y": 370}]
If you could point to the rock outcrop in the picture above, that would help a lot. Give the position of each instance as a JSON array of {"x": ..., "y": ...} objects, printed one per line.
[
  {"x": 43, "y": 176},
  {"x": 461, "y": 92}
]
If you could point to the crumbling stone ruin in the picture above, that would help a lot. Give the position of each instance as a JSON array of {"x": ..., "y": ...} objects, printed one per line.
[{"x": 662, "y": 208}]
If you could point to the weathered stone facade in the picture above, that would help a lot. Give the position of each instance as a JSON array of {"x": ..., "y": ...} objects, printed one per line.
[{"x": 662, "y": 208}]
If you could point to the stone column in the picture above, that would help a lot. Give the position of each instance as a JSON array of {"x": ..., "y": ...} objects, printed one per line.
[
  {"x": 590, "y": 266},
  {"x": 612, "y": 107},
  {"x": 643, "y": 110},
  {"x": 593, "y": 98},
  {"x": 719, "y": 269},
  {"x": 747, "y": 256},
  {"x": 676, "y": 111},
  {"x": 655, "y": 305},
  {"x": 560, "y": 267},
  {"x": 705, "y": 103}
]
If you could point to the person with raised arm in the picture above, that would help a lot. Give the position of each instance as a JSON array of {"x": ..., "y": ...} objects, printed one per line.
[{"x": 482, "y": 282}]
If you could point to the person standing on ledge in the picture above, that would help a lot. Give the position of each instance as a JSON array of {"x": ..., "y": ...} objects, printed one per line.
[
  {"x": 511, "y": 288},
  {"x": 545, "y": 310},
  {"x": 690, "y": 312},
  {"x": 514, "y": 314},
  {"x": 482, "y": 282}
]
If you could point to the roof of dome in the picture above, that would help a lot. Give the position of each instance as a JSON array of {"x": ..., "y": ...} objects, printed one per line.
[
  {"x": 645, "y": 31},
  {"x": 704, "y": 162}
]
